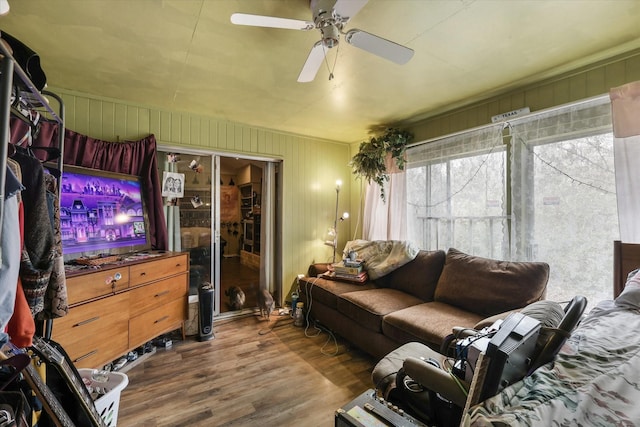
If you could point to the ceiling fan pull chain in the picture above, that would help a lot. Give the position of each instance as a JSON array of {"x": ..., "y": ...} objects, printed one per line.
[{"x": 335, "y": 60}]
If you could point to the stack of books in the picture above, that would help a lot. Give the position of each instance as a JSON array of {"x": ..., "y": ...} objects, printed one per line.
[{"x": 351, "y": 271}]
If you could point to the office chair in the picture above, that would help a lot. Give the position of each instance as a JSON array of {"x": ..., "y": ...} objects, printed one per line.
[{"x": 430, "y": 389}]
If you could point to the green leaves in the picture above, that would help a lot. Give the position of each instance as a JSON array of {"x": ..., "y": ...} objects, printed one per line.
[{"x": 369, "y": 163}]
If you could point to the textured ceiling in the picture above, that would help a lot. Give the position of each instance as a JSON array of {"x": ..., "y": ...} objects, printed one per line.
[{"x": 185, "y": 55}]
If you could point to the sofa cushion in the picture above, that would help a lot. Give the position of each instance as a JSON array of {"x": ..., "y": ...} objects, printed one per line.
[
  {"x": 327, "y": 291},
  {"x": 418, "y": 277},
  {"x": 429, "y": 323},
  {"x": 367, "y": 308},
  {"x": 487, "y": 286}
]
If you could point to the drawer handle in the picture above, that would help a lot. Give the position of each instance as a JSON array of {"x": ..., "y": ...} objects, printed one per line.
[
  {"x": 162, "y": 319},
  {"x": 91, "y": 353},
  {"x": 161, "y": 293},
  {"x": 179, "y": 264},
  {"x": 84, "y": 322},
  {"x": 144, "y": 273}
]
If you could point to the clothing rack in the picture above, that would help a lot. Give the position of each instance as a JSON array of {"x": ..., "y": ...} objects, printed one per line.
[
  {"x": 8, "y": 68},
  {"x": 33, "y": 99}
]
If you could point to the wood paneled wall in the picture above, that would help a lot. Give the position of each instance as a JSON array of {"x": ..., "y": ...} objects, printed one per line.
[{"x": 310, "y": 167}]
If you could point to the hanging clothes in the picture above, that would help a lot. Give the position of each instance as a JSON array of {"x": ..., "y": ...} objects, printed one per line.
[
  {"x": 10, "y": 245},
  {"x": 38, "y": 253},
  {"x": 21, "y": 327},
  {"x": 55, "y": 300}
]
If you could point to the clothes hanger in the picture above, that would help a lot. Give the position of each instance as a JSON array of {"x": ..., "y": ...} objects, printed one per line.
[{"x": 53, "y": 153}]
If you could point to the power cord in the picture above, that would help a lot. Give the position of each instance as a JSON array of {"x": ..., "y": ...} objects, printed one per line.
[
  {"x": 457, "y": 380},
  {"x": 318, "y": 329}
]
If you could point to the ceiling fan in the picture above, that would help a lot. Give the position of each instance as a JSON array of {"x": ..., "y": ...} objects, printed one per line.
[{"x": 330, "y": 17}]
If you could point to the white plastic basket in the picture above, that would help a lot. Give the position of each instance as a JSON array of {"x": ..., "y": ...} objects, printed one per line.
[{"x": 107, "y": 404}]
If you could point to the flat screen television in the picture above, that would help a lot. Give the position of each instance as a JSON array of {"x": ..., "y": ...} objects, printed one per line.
[{"x": 101, "y": 213}]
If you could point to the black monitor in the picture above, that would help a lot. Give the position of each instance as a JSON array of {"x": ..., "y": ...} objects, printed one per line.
[{"x": 510, "y": 352}]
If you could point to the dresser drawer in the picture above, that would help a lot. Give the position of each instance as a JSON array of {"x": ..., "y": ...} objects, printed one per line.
[
  {"x": 94, "y": 285},
  {"x": 153, "y": 270},
  {"x": 96, "y": 332},
  {"x": 157, "y": 294},
  {"x": 157, "y": 321}
]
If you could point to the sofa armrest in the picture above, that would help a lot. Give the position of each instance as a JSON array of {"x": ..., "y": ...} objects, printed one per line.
[{"x": 318, "y": 268}]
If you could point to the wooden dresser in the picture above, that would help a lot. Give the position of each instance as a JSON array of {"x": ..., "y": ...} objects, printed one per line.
[{"x": 119, "y": 307}]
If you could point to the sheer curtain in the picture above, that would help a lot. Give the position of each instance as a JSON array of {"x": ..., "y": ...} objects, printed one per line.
[
  {"x": 563, "y": 197},
  {"x": 386, "y": 220},
  {"x": 562, "y": 174},
  {"x": 456, "y": 193},
  {"x": 625, "y": 110}
]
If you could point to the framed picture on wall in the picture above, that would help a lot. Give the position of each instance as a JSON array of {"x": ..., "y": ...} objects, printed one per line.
[{"x": 229, "y": 203}]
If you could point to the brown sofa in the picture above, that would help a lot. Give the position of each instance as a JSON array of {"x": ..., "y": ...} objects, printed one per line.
[{"x": 422, "y": 300}]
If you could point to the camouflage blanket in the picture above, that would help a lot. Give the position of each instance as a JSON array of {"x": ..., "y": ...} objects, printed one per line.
[
  {"x": 595, "y": 380},
  {"x": 381, "y": 257}
]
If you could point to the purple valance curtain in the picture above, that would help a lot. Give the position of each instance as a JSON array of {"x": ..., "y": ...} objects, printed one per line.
[{"x": 130, "y": 157}]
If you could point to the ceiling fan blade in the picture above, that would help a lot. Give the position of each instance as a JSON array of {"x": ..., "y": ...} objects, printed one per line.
[
  {"x": 271, "y": 22},
  {"x": 378, "y": 46},
  {"x": 314, "y": 60},
  {"x": 347, "y": 9}
]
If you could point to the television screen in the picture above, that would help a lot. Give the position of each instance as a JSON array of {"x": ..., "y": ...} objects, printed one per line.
[{"x": 101, "y": 213}]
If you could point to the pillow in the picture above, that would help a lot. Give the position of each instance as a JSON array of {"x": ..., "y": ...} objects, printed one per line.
[
  {"x": 548, "y": 313},
  {"x": 418, "y": 277},
  {"x": 486, "y": 286},
  {"x": 630, "y": 295}
]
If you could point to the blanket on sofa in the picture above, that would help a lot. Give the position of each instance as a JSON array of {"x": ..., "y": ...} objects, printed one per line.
[
  {"x": 381, "y": 257},
  {"x": 594, "y": 381}
]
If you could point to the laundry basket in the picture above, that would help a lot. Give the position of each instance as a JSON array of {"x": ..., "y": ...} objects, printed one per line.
[{"x": 107, "y": 404}]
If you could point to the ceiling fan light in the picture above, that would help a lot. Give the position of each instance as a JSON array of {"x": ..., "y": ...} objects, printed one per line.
[
  {"x": 329, "y": 42},
  {"x": 330, "y": 36}
]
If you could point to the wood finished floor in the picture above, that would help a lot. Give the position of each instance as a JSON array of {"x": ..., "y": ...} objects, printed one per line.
[
  {"x": 232, "y": 273},
  {"x": 255, "y": 372}
]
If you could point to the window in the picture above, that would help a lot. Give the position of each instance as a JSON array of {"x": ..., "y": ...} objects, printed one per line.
[
  {"x": 538, "y": 188},
  {"x": 457, "y": 195}
]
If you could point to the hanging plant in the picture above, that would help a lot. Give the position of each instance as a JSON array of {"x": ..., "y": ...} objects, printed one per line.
[{"x": 369, "y": 163}]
